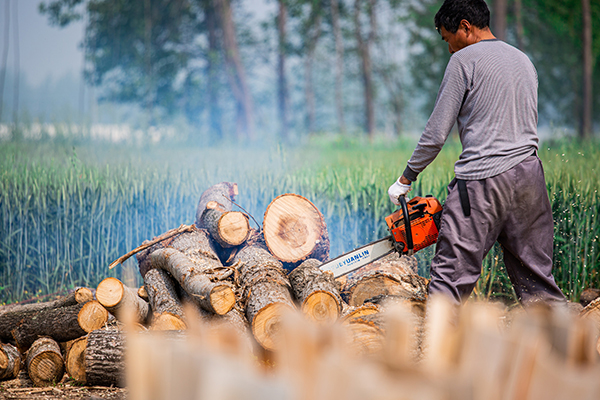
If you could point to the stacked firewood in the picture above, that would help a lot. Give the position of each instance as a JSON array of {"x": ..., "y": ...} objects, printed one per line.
[{"x": 219, "y": 271}]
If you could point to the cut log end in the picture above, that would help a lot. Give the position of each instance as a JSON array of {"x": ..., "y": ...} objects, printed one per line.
[
  {"x": 75, "y": 360},
  {"x": 292, "y": 227},
  {"x": 267, "y": 323},
  {"x": 168, "y": 322},
  {"x": 92, "y": 316},
  {"x": 45, "y": 365},
  {"x": 83, "y": 295},
  {"x": 234, "y": 228},
  {"x": 222, "y": 299},
  {"x": 321, "y": 306},
  {"x": 110, "y": 292}
]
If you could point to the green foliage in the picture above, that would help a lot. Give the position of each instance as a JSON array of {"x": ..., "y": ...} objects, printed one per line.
[{"x": 66, "y": 212}]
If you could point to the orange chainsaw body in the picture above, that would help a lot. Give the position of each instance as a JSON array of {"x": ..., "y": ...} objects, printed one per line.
[{"x": 424, "y": 216}]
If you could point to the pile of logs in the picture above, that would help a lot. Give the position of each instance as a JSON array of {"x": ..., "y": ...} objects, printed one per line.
[{"x": 259, "y": 295}]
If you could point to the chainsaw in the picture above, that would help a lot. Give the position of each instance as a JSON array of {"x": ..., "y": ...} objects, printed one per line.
[{"x": 407, "y": 235}]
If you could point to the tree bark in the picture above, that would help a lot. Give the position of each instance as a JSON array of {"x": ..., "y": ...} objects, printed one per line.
[
  {"x": 313, "y": 34},
  {"x": 339, "y": 65},
  {"x": 166, "y": 307},
  {"x": 364, "y": 50},
  {"x": 282, "y": 90},
  {"x": 223, "y": 194},
  {"x": 499, "y": 22},
  {"x": 236, "y": 72},
  {"x": 295, "y": 230},
  {"x": 519, "y": 24},
  {"x": 375, "y": 284},
  {"x": 4, "y": 53},
  {"x": 212, "y": 73},
  {"x": 316, "y": 291},
  {"x": 61, "y": 324},
  {"x": 105, "y": 358},
  {"x": 12, "y": 315},
  {"x": 265, "y": 291},
  {"x": 121, "y": 300},
  {"x": 45, "y": 364},
  {"x": 217, "y": 297},
  {"x": 588, "y": 69},
  {"x": 10, "y": 362}
]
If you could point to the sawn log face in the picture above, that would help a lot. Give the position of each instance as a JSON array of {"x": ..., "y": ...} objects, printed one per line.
[
  {"x": 222, "y": 193},
  {"x": 45, "y": 364}
]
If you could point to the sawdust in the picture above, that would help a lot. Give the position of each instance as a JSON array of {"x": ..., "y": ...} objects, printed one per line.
[{"x": 65, "y": 390}]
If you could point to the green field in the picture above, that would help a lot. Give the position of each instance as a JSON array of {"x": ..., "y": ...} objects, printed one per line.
[{"x": 69, "y": 209}]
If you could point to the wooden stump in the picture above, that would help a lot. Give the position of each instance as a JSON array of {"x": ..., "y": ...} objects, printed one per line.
[
  {"x": 120, "y": 299},
  {"x": 105, "y": 358},
  {"x": 295, "y": 230},
  {"x": 75, "y": 359},
  {"x": 384, "y": 279},
  {"x": 266, "y": 292},
  {"x": 217, "y": 297},
  {"x": 10, "y": 362},
  {"x": 316, "y": 291},
  {"x": 227, "y": 228},
  {"x": 12, "y": 315},
  {"x": 45, "y": 364},
  {"x": 167, "y": 310},
  {"x": 223, "y": 194},
  {"x": 61, "y": 324}
]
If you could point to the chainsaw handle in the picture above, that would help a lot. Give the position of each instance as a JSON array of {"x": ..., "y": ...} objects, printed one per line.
[{"x": 409, "y": 238}]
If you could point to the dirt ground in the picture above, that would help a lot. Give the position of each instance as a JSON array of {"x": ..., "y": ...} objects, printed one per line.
[{"x": 66, "y": 389}]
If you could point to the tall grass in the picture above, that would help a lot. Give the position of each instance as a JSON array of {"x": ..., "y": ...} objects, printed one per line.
[{"x": 67, "y": 211}]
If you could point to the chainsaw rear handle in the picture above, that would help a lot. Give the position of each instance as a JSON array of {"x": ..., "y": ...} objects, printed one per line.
[{"x": 409, "y": 238}]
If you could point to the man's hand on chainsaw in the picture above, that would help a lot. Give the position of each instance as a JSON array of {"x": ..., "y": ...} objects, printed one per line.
[{"x": 396, "y": 190}]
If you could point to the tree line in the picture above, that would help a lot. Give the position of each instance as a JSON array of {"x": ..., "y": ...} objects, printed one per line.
[{"x": 239, "y": 68}]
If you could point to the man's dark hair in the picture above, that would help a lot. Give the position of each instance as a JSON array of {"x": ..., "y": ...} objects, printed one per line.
[{"x": 453, "y": 11}]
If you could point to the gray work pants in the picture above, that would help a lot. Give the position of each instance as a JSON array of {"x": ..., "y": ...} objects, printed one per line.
[{"x": 512, "y": 208}]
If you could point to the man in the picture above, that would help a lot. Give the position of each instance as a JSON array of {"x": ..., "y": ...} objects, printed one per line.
[{"x": 499, "y": 191}]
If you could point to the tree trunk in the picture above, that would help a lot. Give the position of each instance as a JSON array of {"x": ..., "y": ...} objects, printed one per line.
[
  {"x": 167, "y": 309},
  {"x": 17, "y": 66},
  {"x": 313, "y": 35},
  {"x": 236, "y": 72},
  {"x": 4, "y": 53},
  {"x": 227, "y": 228},
  {"x": 295, "y": 230},
  {"x": 519, "y": 24},
  {"x": 364, "y": 50},
  {"x": 121, "y": 300},
  {"x": 339, "y": 65},
  {"x": 45, "y": 364},
  {"x": 282, "y": 90},
  {"x": 217, "y": 297},
  {"x": 105, "y": 358},
  {"x": 223, "y": 194},
  {"x": 212, "y": 74},
  {"x": 266, "y": 291},
  {"x": 316, "y": 291},
  {"x": 588, "y": 63},
  {"x": 499, "y": 22},
  {"x": 376, "y": 284},
  {"x": 12, "y": 315},
  {"x": 10, "y": 362},
  {"x": 61, "y": 324},
  {"x": 75, "y": 359}
]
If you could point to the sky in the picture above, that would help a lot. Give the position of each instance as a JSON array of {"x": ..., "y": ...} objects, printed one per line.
[{"x": 44, "y": 50}]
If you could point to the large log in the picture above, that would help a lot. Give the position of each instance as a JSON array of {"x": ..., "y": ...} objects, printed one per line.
[
  {"x": 120, "y": 299},
  {"x": 167, "y": 310},
  {"x": 265, "y": 291},
  {"x": 385, "y": 277},
  {"x": 105, "y": 358},
  {"x": 223, "y": 194},
  {"x": 12, "y": 315},
  {"x": 61, "y": 324},
  {"x": 295, "y": 230},
  {"x": 45, "y": 364},
  {"x": 316, "y": 291},
  {"x": 217, "y": 297},
  {"x": 92, "y": 316},
  {"x": 10, "y": 362}
]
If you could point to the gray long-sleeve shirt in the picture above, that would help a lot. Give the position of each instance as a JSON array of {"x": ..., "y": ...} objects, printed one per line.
[{"x": 490, "y": 90}]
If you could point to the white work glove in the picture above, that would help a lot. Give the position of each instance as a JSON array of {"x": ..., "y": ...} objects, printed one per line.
[{"x": 396, "y": 190}]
